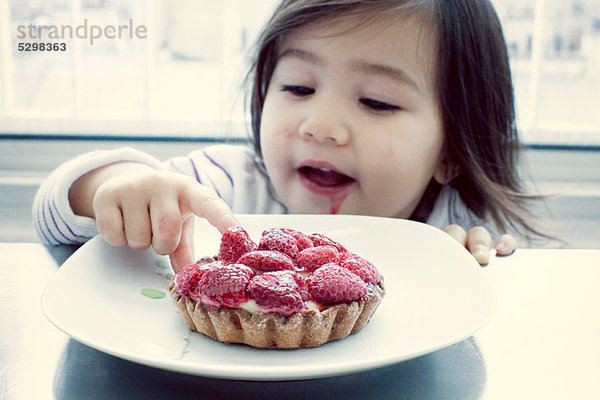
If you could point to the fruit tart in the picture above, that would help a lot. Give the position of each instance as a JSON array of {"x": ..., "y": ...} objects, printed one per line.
[{"x": 291, "y": 290}]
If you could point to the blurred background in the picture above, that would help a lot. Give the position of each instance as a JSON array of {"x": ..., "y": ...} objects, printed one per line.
[{"x": 179, "y": 87}]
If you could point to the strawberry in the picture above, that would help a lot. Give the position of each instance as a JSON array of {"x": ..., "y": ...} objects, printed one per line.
[
  {"x": 361, "y": 267},
  {"x": 319, "y": 239},
  {"x": 332, "y": 284},
  {"x": 267, "y": 260},
  {"x": 304, "y": 241},
  {"x": 187, "y": 279},
  {"x": 225, "y": 285},
  {"x": 234, "y": 243},
  {"x": 282, "y": 292},
  {"x": 278, "y": 240},
  {"x": 313, "y": 257}
]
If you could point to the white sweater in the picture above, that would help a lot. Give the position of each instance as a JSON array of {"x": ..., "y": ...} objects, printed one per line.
[{"x": 229, "y": 169}]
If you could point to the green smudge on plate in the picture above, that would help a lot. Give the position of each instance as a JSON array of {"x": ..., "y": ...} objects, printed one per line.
[
  {"x": 153, "y": 293},
  {"x": 169, "y": 277},
  {"x": 162, "y": 263}
]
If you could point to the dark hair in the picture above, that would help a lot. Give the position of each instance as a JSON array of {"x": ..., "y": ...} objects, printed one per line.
[{"x": 474, "y": 86}]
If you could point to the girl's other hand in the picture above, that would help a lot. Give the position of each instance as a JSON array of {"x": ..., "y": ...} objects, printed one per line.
[
  {"x": 139, "y": 206},
  {"x": 479, "y": 242}
]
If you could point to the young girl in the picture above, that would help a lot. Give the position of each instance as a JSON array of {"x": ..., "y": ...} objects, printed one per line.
[{"x": 395, "y": 108}]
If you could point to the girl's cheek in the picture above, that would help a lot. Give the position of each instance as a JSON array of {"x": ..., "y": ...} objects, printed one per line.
[
  {"x": 275, "y": 130},
  {"x": 285, "y": 133},
  {"x": 274, "y": 144},
  {"x": 274, "y": 126}
]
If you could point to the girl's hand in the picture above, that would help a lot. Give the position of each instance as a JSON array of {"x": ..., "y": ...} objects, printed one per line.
[
  {"x": 139, "y": 206},
  {"x": 479, "y": 242}
]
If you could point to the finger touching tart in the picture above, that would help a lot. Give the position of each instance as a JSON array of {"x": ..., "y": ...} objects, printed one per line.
[{"x": 291, "y": 290}]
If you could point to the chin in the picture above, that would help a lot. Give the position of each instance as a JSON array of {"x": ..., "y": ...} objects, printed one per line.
[{"x": 308, "y": 210}]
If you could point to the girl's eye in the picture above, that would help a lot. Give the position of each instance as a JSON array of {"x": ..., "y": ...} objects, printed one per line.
[
  {"x": 377, "y": 105},
  {"x": 298, "y": 90}
]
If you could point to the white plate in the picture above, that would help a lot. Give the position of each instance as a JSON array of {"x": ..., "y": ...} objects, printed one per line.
[{"x": 435, "y": 296}]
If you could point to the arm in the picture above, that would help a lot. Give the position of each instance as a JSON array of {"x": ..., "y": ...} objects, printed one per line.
[
  {"x": 63, "y": 210},
  {"x": 140, "y": 206},
  {"x": 53, "y": 217}
]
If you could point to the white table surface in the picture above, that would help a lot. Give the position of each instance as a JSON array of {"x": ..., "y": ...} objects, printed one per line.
[{"x": 543, "y": 342}]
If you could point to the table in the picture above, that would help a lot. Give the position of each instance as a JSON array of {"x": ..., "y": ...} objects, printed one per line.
[{"x": 543, "y": 342}]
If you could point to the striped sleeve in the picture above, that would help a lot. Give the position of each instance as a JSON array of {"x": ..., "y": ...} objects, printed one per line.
[
  {"x": 53, "y": 218},
  {"x": 231, "y": 172}
]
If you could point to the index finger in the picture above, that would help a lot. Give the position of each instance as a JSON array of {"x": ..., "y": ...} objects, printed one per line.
[
  {"x": 205, "y": 203},
  {"x": 184, "y": 253}
]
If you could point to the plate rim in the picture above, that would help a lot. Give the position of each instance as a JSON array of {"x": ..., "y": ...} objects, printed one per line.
[{"x": 263, "y": 372}]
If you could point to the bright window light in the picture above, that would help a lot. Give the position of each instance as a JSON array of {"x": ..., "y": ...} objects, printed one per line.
[{"x": 175, "y": 68}]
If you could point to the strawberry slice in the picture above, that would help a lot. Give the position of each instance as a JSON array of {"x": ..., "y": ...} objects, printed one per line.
[
  {"x": 319, "y": 239},
  {"x": 282, "y": 292},
  {"x": 361, "y": 267},
  {"x": 234, "y": 243},
  {"x": 267, "y": 260},
  {"x": 187, "y": 279},
  {"x": 225, "y": 285},
  {"x": 313, "y": 257},
  {"x": 332, "y": 284},
  {"x": 301, "y": 237},
  {"x": 278, "y": 240}
]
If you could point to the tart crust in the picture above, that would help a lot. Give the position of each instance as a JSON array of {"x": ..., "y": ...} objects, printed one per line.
[{"x": 308, "y": 328}]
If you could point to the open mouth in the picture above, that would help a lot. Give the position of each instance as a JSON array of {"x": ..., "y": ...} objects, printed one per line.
[{"x": 324, "y": 177}]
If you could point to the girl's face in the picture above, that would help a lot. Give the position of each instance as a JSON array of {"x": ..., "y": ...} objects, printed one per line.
[{"x": 351, "y": 122}]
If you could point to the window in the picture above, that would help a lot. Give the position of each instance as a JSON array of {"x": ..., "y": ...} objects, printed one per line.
[
  {"x": 174, "y": 68},
  {"x": 125, "y": 67},
  {"x": 554, "y": 48}
]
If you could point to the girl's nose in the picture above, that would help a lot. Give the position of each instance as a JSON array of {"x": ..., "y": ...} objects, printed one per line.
[{"x": 326, "y": 125}]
